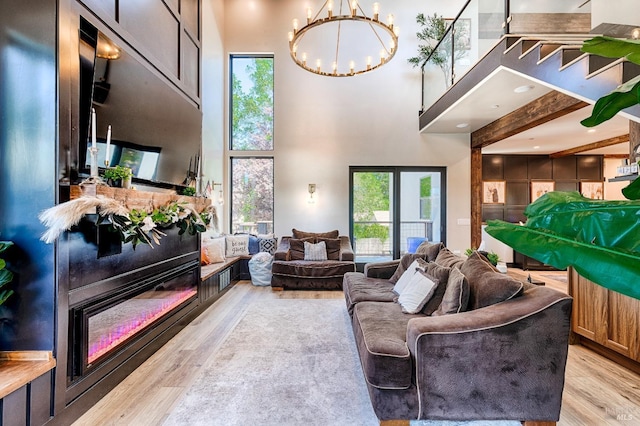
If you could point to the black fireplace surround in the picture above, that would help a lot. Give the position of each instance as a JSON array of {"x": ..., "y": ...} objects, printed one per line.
[{"x": 123, "y": 301}]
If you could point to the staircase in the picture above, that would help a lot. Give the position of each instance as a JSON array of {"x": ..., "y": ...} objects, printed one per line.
[{"x": 554, "y": 60}]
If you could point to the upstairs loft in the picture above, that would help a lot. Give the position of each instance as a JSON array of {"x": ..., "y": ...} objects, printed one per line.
[{"x": 536, "y": 54}]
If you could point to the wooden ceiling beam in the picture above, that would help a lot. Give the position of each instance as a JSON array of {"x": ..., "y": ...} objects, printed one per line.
[
  {"x": 542, "y": 110},
  {"x": 591, "y": 146}
]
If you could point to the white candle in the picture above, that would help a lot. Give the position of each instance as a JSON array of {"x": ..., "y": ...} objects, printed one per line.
[
  {"x": 93, "y": 128},
  {"x": 106, "y": 152}
]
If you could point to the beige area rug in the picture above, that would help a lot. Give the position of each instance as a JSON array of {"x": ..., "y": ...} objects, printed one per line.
[{"x": 287, "y": 362}]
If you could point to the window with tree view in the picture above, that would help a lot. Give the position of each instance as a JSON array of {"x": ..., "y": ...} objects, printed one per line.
[{"x": 251, "y": 132}]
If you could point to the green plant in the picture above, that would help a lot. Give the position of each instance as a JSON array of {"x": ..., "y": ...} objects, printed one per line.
[
  {"x": 189, "y": 191},
  {"x": 493, "y": 257},
  {"x": 433, "y": 28},
  {"x": 6, "y": 276},
  {"x": 372, "y": 230},
  {"x": 117, "y": 173}
]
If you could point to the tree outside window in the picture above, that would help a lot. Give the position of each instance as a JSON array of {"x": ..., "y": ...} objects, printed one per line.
[{"x": 252, "y": 191}]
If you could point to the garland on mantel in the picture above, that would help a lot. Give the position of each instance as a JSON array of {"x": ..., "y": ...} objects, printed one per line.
[{"x": 135, "y": 226}]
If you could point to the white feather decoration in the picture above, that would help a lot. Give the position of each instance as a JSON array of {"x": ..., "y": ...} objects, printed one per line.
[{"x": 64, "y": 216}]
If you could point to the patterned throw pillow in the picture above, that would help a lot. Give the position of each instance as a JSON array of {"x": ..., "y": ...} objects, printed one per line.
[
  {"x": 316, "y": 252},
  {"x": 267, "y": 245}
]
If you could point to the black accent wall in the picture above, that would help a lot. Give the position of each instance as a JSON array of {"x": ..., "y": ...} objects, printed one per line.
[
  {"x": 28, "y": 135},
  {"x": 519, "y": 171}
]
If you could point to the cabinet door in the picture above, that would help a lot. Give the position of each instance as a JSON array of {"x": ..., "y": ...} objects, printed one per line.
[
  {"x": 589, "y": 308},
  {"x": 623, "y": 314}
]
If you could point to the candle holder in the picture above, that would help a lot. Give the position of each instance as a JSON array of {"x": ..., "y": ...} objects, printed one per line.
[{"x": 95, "y": 178}]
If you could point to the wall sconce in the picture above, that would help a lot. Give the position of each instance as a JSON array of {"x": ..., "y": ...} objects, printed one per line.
[
  {"x": 312, "y": 190},
  {"x": 220, "y": 196}
]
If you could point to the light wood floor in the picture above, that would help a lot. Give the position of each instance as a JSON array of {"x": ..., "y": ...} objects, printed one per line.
[{"x": 597, "y": 391}]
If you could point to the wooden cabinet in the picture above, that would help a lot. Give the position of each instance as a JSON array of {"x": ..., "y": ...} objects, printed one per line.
[{"x": 608, "y": 318}]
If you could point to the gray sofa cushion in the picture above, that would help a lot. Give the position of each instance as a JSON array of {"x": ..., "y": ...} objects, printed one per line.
[
  {"x": 430, "y": 249},
  {"x": 405, "y": 261},
  {"x": 358, "y": 288},
  {"x": 486, "y": 284},
  {"x": 456, "y": 295},
  {"x": 447, "y": 258},
  {"x": 302, "y": 234},
  {"x": 380, "y": 329},
  {"x": 441, "y": 273},
  {"x": 310, "y": 268}
]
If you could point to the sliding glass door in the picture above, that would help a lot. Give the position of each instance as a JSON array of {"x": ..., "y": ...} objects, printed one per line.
[{"x": 394, "y": 209}]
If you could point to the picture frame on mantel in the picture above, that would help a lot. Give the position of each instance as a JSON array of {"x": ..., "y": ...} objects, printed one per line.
[
  {"x": 593, "y": 190},
  {"x": 494, "y": 192},
  {"x": 539, "y": 188}
]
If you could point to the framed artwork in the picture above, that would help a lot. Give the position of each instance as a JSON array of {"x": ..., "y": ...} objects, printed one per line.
[
  {"x": 593, "y": 190},
  {"x": 462, "y": 37},
  {"x": 494, "y": 192},
  {"x": 539, "y": 188}
]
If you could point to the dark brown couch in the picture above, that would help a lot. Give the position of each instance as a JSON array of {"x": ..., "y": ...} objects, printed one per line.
[
  {"x": 290, "y": 272},
  {"x": 504, "y": 361}
]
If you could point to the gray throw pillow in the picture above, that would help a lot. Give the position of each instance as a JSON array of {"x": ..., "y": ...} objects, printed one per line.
[
  {"x": 430, "y": 249},
  {"x": 486, "y": 285},
  {"x": 456, "y": 295},
  {"x": 296, "y": 248},
  {"x": 406, "y": 260},
  {"x": 447, "y": 258},
  {"x": 441, "y": 273}
]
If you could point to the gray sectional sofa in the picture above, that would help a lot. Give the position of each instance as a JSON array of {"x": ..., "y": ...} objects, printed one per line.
[{"x": 484, "y": 347}]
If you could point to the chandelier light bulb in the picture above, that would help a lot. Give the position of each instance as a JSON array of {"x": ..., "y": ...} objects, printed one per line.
[
  {"x": 396, "y": 31},
  {"x": 301, "y": 28}
]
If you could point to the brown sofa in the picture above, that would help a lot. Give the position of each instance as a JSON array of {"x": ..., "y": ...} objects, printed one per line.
[
  {"x": 291, "y": 271},
  {"x": 502, "y": 361}
]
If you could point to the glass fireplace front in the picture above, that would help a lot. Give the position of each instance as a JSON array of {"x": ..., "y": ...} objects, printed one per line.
[{"x": 105, "y": 326}]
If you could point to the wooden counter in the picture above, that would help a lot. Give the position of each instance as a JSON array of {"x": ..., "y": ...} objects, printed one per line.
[{"x": 19, "y": 368}]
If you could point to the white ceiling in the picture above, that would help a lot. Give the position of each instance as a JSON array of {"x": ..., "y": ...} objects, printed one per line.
[{"x": 495, "y": 97}]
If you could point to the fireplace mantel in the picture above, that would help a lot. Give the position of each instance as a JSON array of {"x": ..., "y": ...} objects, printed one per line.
[{"x": 134, "y": 199}]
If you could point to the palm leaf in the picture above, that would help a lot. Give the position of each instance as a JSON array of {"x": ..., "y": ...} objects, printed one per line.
[
  {"x": 624, "y": 96},
  {"x": 610, "y": 47},
  {"x": 598, "y": 238},
  {"x": 614, "y": 269},
  {"x": 4, "y": 295},
  {"x": 5, "y": 245},
  {"x": 6, "y": 276},
  {"x": 632, "y": 191}
]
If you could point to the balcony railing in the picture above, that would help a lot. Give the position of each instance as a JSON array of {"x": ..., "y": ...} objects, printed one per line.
[
  {"x": 381, "y": 247},
  {"x": 481, "y": 24}
]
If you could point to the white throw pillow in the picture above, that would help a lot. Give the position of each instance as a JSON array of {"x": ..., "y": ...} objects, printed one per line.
[
  {"x": 214, "y": 249},
  {"x": 406, "y": 276},
  {"x": 317, "y": 252},
  {"x": 237, "y": 245},
  {"x": 417, "y": 293}
]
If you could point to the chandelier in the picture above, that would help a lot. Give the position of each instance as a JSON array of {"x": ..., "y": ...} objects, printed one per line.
[{"x": 343, "y": 41}]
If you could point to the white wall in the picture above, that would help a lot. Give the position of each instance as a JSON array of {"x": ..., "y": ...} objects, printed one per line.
[
  {"x": 323, "y": 125},
  {"x": 617, "y": 12},
  {"x": 213, "y": 98}
]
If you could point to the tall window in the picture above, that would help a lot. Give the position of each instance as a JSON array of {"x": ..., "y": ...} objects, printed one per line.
[{"x": 251, "y": 143}]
